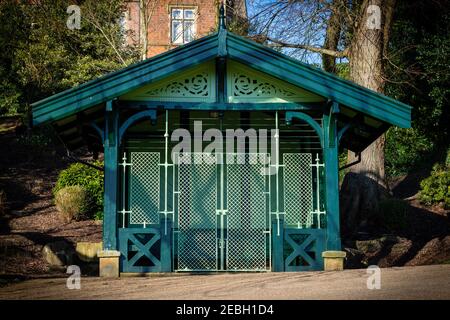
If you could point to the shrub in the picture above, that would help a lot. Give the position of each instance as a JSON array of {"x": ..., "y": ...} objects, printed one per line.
[
  {"x": 90, "y": 179},
  {"x": 405, "y": 150},
  {"x": 393, "y": 214},
  {"x": 436, "y": 188},
  {"x": 73, "y": 202}
]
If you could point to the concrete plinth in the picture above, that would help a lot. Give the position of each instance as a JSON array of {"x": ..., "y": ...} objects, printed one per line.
[
  {"x": 333, "y": 260},
  {"x": 109, "y": 263}
]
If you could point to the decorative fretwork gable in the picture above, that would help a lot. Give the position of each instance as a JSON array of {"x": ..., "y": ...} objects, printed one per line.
[
  {"x": 194, "y": 85},
  {"x": 248, "y": 85}
]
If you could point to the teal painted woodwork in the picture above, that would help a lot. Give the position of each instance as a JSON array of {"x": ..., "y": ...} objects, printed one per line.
[
  {"x": 331, "y": 180},
  {"x": 245, "y": 85},
  {"x": 111, "y": 155},
  {"x": 277, "y": 245},
  {"x": 100, "y": 132},
  {"x": 120, "y": 82},
  {"x": 196, "y": 84},
  {"x": 308, "y": 119},
  {"x": 303, "y": 249},
  {"x": 141, "y": 250},
  {"x": 233, "y": 47},
  {"x": 166, "y": 227},
  {"x": 317, "y": 81},
  {"x": 221, "y": 217},
  {"x": 222, "y": 106},
  {"x": 145, "y": 194},
  {"x": 150, "y": 114}
]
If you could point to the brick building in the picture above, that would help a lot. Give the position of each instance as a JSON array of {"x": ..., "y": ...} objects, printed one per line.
[{"x": 165, "y": 24}]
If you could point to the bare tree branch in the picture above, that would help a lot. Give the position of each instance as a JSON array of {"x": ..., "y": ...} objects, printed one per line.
[{"x": 329, "y": 52}]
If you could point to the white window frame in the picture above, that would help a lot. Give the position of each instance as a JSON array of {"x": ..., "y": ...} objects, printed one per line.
[{"x": 182, "y": 19}]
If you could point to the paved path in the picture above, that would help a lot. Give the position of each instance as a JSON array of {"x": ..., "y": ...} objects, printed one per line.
[{"x": 425, "y": 282}]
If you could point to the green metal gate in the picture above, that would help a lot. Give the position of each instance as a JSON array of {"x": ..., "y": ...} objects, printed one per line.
[
  {"x": 197, "y": 226},
  {"x": 223, "y": 221},
  {"x": 248, "y": 223}
]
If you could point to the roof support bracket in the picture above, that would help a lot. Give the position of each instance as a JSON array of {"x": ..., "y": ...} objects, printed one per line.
[
  {"x": 100, "y": 132},
  {"x": 308, "y": 119},
  {"x": 140, "y": 115},
  {"x": 343, "y": 131},
  {"x": 331, "y": 128}
]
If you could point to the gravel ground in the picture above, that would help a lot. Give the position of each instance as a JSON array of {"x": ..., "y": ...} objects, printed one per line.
[{"x": 423, "y": 282}]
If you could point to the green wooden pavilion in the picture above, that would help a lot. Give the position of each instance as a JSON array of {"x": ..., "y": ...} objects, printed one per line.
[{"x": 165, "y": 215}]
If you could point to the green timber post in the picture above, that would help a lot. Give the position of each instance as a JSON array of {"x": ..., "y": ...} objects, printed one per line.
[
  {"x": 330, "y": 151},
  {"x": 166, "y": 244},
  {"x": 111, "y": 153},
  {"x": 278, "y": 244}
]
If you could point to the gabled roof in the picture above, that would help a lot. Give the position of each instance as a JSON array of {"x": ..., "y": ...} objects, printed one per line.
[{"x": 224, "y": 44}]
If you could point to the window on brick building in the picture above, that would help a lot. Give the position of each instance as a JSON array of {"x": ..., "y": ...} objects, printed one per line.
[{"x": 183, "y": 25}]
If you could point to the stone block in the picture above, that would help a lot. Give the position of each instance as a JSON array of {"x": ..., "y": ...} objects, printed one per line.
[
  {"x": 333, "y": 260},
  {"x": 109, "y": 263},
  {"x": 87, "y": 251}
]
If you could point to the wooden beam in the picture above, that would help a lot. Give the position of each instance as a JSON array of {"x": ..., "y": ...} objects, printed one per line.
[
  {"x": 142, "y": 105},
  {"x": 111, "y": 177}
]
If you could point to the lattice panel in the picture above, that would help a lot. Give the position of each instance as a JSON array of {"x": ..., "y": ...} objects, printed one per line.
[
  {"x": 298, "y": 189},
  {"x": 193, "y": 86},
  {"x": 140, "y": 249},
  {"x": 197, "y": 245},
  {"x": 247, "y": 219},
  {"x": 144, "y": 188},
  {"x": 304, "y": 248},
  {"x": 248, "y": 85},
  {"x": 196, "y": 84},
  {"x": 244, "y": 85}
]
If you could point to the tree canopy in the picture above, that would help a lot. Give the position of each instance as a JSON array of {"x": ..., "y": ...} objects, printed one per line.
[{"x": 41, "y": 56}]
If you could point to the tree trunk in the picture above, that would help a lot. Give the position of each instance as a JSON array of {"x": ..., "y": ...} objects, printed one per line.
[
  {"x": 364, "y": 186},
  {"x": 143, "y": 28},
  {"x": 332, "y": 36}
]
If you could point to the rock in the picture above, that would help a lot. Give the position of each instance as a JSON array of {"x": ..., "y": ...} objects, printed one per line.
[
  {"x": 370, "y": 247},
  {"x": 355, "y": 259},
  {"x": 435, "y": 251},
  {"x": 396, "y": 254},
  {"x": 59, "y": 253},
  {"x": 387, "y": 251},
  {"x": 87, "y": 251}
]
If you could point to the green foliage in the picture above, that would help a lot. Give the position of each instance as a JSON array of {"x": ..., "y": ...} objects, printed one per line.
[
  {"x": 343, "y": 70},
  {"x": 419, "y": 74},
  {"x": 38, "y": 138},
  {"x": 40, "y": 56},
  {"x": 436, "y": 188},
  {"x": 393, "y": 214},
  {"x": 73, "y": 203},
  {"x": 89, "y": 178},
  {"x": 9, "y": 99},
  {"x": 405, "y": 150},
  {"x": 343, "y": 155}
]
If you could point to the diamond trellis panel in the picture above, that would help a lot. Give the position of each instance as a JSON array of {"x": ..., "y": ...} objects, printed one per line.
[
  {"x": 144, "y": 188},
  {"x": 247, "y": 219},
  {"x": 194, "y": 85},
  {"x": 298, "y": 189},
  {"x": 197, "y": 245}
]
